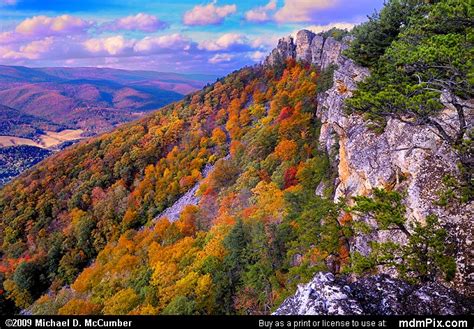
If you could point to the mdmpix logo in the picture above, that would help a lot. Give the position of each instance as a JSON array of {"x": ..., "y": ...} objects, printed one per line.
[{"x": 432, "y": 323}]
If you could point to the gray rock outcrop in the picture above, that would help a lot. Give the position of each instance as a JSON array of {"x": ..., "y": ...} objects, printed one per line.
[
  {"x": 326, "y": 294},
  {"x": 286, "y": 49},
  {"x": 404, "y": 157},
  {"x": 304, "y": 40},
  {"x": 309, "y": 47},
  {"x": 189, "y": 198}
]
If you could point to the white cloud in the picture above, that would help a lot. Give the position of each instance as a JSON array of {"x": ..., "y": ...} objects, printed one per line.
[
  {"x": 224, "y": 42},
  {"x": 111, "y": 45},
  {"x": 32, "y": 50},
  {"x": 265, "y": 41},
  {"x": 7, "y": 2},
  {"x": 221, "y": 58},
  {"x": 139, "y": 22},
  {"x": 38, "y": 46},
  {"x": 302, "y": 10},
  {"x": 326, "y": 27},
  {"x": 208, "y": 14},
  {"x": 7, "y": 53},
  {"x": 261, "y": 14},
  {"x": 47, "y": 26},
  {"x": 118, "y": 45},
  {"x": 172, "y": 41},
  {"x": 258, "y": 56},
  {"x": 8, "y": 37}
]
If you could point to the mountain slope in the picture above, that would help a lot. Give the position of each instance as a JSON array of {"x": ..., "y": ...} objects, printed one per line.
[
  {"x": 122, "y": 180},
  {"x": 16, "y": 123}
]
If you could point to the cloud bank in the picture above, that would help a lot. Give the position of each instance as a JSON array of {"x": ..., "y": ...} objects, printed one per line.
[
  {"x": 140, "y": 22},
  {"x": 48, "y": 26},
  {"x": 208, "y": 14},
  {"x": 261, "y": 14},
  {"x": 303, "y": 10}
]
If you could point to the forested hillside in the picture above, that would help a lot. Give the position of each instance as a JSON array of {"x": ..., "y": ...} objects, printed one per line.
[
  {"x": 242, "y": 246},
  {"x": 288, "y": 196}
]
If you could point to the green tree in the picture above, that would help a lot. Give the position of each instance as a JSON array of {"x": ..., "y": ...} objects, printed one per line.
[
  {"x": 325, "y": 79},
  {"x": 427, "y": 252},
  {"x": 29, "y": 278},
  {"x": 316, "y": 235},
  {"x": 386, "y": 207},
  {"x": 425, "y": 257},
  {"x": 180, "y": 305},
  {"x": 258, "y": 270},
  {"x": 229, "y": 278},
  {"x": 372, "y": 38},
  {"x": 336, "y": 33}
]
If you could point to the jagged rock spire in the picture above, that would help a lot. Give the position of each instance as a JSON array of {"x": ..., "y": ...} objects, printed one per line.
[{"x": 308, "y": 47}]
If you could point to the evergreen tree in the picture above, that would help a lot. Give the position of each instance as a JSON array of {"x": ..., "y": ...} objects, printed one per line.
[
  {"x": 228, "y": 279},
  {"x": 372, "y": 38},
  {"x": 425, "y": 257}
]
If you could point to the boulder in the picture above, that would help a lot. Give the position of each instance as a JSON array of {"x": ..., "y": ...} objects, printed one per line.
[{"x": 326, "y": 294}]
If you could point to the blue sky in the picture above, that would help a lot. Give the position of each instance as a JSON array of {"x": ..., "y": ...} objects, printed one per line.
[{"x": 177, "y": 36}]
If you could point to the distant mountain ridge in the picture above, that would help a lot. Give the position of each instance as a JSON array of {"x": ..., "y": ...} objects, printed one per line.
[
  {"x": 92, "y": 99},
  {"x": 55, "y": 74},
  {"x": 16, "y": 123},
  {"x": 45, "y": 107},
  {"x": 314, "y": 184}
]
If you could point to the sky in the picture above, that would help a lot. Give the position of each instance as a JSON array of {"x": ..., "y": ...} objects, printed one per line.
[{"x": 183, "y": 36}]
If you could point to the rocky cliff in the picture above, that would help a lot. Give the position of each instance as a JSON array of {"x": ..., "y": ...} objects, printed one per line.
[{"x": 404, "y": 157}]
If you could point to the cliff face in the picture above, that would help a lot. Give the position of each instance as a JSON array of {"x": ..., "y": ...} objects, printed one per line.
[{"x": 405, "y": 157}]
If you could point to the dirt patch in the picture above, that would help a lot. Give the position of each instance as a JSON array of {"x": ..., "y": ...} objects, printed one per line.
[
  {"x": 48, "y": 140},
  {"x": 52, "y": 139}
]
